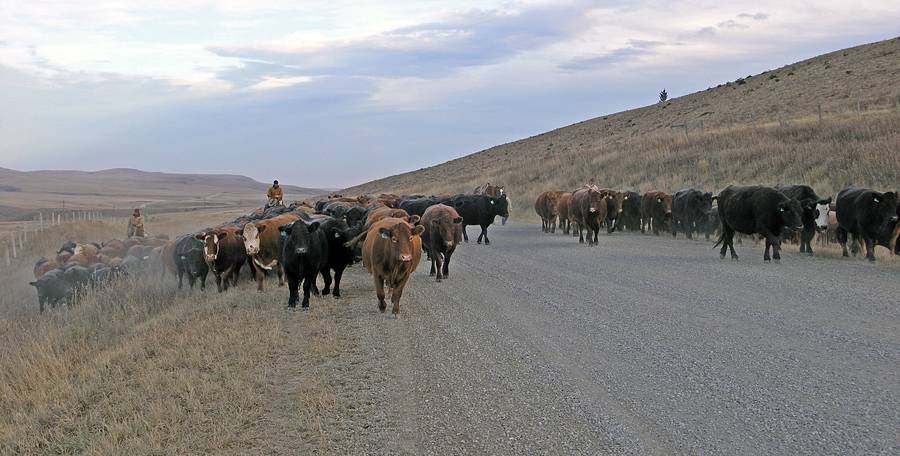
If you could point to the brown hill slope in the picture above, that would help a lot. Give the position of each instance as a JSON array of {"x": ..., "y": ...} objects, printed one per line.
[
  {"x": 125, "y": 188},
  {"x": 758, "y": 129}
]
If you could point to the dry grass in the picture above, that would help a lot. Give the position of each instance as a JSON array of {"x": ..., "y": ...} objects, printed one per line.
[
  {"x": 141, "y": 368},
  {"x": 764, "y": 130}
]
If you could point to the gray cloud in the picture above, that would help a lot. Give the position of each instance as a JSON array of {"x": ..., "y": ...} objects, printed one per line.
[
  {"x": 426, "y": 50},
  {"x": 732, "y": 24},
  {"x": 755, "y": 17},
  {"x": 634, "y": 49}
]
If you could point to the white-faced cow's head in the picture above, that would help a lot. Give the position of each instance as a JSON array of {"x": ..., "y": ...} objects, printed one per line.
[
  {"x": 211, "y": 244},
  {"x": 251, "y": 238},
  {"x": 821, "y": 214}
]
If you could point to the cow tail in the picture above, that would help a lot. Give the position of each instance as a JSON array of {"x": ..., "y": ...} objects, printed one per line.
[{"x": 720, "y": 240}]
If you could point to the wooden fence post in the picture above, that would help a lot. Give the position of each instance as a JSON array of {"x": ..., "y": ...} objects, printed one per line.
[
  {"x": 41, "y": 215},
  {"x": 24, "y": 233},
  {"x": 8, "y": 262},
  {"x": 820, "y": 112},
  {"x": 14, "y": 245}
]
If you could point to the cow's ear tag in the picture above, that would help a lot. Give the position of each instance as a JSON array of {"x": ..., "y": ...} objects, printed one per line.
[
  {"x": 780, "y": 209},
  {"x": 658, "y": 200},
  {"x": 385, "y": 236},
  {"x": 493, "y": 202},
  {"x": 337, "y": 235},
  {"x": 283, "y": 234},
  {"x": 876, "y": 200}
]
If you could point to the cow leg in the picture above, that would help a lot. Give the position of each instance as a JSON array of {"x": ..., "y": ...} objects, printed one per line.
[
  {"x": 260, "y": 274},
  {"x": 870, "y": 248},
  {"x": 766, "y": 257},
  {"x": 326, "y": 277},
  {"x": 396, "y": 295},
  {"x": 776, "y": 249},
  {"x": 307, "y": 285},
  {"x": 203, "y": 282},
  {"x": 180, "y": 277},
  {"x": 447, "y": 264},
  {"x": 338, "y": 273},
  {"x": 218, "y": 277},
  {"x": 433, "y": 261},
  {"x": 465, "y": 234},
  {"x": 439, "y": 263},
  {"x": 484, "y": 232},
  {"x": 293, "y": 283},
  {"x": 280, "y": 272},
  {"x": 379, "y": 291},
  {"x": 841, "y": 235}
]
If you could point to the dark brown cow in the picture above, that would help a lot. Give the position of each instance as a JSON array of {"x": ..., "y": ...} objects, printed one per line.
[
  {"x": 261, "y": 244},
  {"x": 563, "y": 205},
  {"x": 391, "y": 253},
  {"x": 225, "y": 254},
  {"x": 588, "y": 211},
  {"x": 114, "y": 249},
  {"x": 443, "y": 232},
  {"x": 615, "y": 202},
  {"x": 546, "y": 208},
  {"x": 379, "y": 214},
  {"x": 656, "y": 211}
]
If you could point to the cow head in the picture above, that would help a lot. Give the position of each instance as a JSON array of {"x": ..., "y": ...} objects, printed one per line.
[
  {"x": 448, "y": 227},
  {"x": 885, "y": 206},
  {"x": 298, "y": 235},
  {"x": 789, "y": 214},
  {"x": 211, "y": 243},
  {"x": 821, "y": 214},
  {"x": 618, "y": 200},
  {"x": 251, "y": 234},
  {"x": 499, "y": 205},
  {"x": 664, "y": 200},
  {"x": 597, "y": 201},
  {"x": 400, "y": 235}
]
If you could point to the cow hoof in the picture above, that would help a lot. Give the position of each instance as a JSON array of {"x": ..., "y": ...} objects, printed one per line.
[
  {"x": 777, "y": 260},
  {"x": 336, "y": 294},
  {"x": 479, "y": 242},
  {"x": 722, "y": 256},
  {"x": 487, "y": 242},
  {"x": 431, "y": 274},
  {"x": 438, "y": 280}
]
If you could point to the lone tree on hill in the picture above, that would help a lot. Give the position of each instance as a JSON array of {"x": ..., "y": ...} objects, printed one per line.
[{"x": 663, "y": 96}]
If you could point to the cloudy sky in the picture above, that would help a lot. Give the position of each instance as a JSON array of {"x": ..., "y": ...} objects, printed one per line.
[{"x": 332, "y": 93}]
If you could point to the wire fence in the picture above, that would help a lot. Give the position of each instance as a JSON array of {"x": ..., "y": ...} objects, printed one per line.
[{"x": 18, "y": 235}]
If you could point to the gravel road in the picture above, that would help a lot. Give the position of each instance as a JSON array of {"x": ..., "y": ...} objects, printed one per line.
[{"x": 643, "y": 345}]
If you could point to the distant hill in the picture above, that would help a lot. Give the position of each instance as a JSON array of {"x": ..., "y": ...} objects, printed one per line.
[
  {"x": 122, "y": 188},
  {"x": 761, "y": 128}
]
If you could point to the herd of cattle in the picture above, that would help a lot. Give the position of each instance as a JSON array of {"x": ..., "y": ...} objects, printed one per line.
[
  {"x": 773, "y": 213},
  {"x": 388, "y": 233}
]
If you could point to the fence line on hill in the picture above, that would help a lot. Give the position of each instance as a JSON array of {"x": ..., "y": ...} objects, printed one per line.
[{"x": 17, "y": 240}]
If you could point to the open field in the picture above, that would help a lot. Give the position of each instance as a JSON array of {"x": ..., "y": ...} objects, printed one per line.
[
  {"x": 119, "y": 190},
  {"x": 535, "y": 345},
  {"x": 764, "y": 129}
]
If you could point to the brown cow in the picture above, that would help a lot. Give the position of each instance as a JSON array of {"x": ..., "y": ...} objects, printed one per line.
[
  {"x": 563, "y": 206},
  {"x": 44, "y": 266},
  {"x": 114, "y": 248},
  {"x": 225, "y": 254},
  {"x": 391, "y": 253},
  {"x": 261, "y": 244},
  {"x": 656, "y": 211},
  {"x": 168, "y": 258},
  {"x": 443, "y": 232},
  {"x": 588, "y": 210},
  {"x": 546, "y": 208},
  {"x": 615, "y": 202}
]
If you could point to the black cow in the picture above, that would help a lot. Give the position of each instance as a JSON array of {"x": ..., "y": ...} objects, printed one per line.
[
  {"x": 418, "y": 206},
  {"x": 690, "y": 208},
  {"x": 866, "y": 214},
  {"x": 479, "y": 210},
  {"x": 356, "y": 215},
  {"x": 188, "y": 258},
  {"x": 756, "y": 209},
  {"x": 815, "y": 212},
  {"x": 630, "y": 218},
  {"x": 61, "y": 285},
  {"x": 52, "y": 289},
  {"x": 304, "y": 254},
  {"x": 339, "y": 256},
  {"x": 713, "y": 225}
]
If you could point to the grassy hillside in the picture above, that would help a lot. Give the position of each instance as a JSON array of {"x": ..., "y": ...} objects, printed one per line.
[
  {"x": 830, "y": 121},
  {"x": 126, "y": 188}
]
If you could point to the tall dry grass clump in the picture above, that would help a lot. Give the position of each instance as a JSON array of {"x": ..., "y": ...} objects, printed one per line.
[{"x": 136, "y": 367}]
